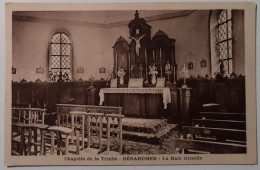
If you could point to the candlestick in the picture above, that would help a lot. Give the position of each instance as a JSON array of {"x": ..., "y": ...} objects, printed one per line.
[
  {"x": 141, "y": 70},
  {"x": 174, "y": 74},
  {"x": 146, "y": 75},
  {"x": 160, "y": 56},
  {"x": 116, "y": 62},
  {"x": 129, "y": 64},
  {"x": 145, "y": 56},
  {"x": 161, "y": 70},
  {"x": 161, "y": 60},
  {"x": 153, "y": 57}
]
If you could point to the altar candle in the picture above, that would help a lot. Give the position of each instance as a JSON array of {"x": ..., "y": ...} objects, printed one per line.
[
  {"x": 129, "y": 71},
  {"x": 145, "y": 57},
  {"x": 129, "y": 59},
  {"x": 116, "y": 62},
  {"x": 174, "y": 72},
  {"x": 153, "y": 57},
  {"x": 161, "y": 55}
]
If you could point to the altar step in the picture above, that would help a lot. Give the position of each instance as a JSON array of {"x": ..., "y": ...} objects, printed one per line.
[
  {"x": 152, "y": 131},
  {"x": 152, "y": 138},
  {"x": 142, "y": 125}
]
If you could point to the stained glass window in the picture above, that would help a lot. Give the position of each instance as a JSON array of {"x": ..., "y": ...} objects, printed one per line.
[
  {"x": 224, "y": 41},
  {"x": 60, "y": 57}
]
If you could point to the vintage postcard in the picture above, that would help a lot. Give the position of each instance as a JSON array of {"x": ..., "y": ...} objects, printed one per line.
[{"x": 130, "y": 83}]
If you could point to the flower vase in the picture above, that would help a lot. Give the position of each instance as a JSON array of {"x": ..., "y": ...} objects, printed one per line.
[
  {"x": 121, "y": 80},
  {"x": 153, "y": 79}
]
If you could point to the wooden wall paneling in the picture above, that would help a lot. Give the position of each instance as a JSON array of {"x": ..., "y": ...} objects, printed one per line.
[
  {"x": 53, "y": 94},
  {"x": 197, "y": 95},
  {"x": 237, "y": 96},
  {"x": 210, "y": 92},
  {"x": 222, "y": 95}
]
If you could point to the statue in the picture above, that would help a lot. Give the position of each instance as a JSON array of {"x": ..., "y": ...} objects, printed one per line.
[
  {"x": 167, "y": 66},
  {"x": 138, "y": 45}
]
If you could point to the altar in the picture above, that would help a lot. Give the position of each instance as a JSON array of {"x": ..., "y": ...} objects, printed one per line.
[
  {"x": 144, "y": 65},
  {"x": 138, "y": 102}
]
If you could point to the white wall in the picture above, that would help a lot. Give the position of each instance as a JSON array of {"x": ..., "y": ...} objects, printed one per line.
[{"x": 92, "y": 47}]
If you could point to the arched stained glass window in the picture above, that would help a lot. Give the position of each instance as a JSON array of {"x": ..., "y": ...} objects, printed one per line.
[
  {"x": 60, "y": 61},
  {"x": 224, "y": 41}
]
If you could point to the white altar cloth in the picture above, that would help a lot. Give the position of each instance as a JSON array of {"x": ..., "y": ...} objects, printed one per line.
[{"x": 164, "y": 91}]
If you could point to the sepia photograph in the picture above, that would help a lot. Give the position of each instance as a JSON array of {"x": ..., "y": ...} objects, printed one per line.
[{"x": 130, "y": 84}]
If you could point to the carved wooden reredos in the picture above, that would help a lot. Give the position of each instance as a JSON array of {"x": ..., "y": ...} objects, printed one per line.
[{"x": 127, "y": 54}]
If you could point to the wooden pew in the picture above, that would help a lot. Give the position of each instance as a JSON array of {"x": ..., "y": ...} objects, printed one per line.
[
  {"x": 207, "y": 146},
  {"x": 219, "y": 134},
  {"x": 223, "y": 116},
  {"x": 227, "y": 124}
]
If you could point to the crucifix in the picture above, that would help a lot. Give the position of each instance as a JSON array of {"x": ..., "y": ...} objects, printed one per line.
[{"x": 138, "y": 45}]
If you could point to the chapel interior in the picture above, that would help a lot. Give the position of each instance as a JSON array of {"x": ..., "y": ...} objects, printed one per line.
[{"x": 128, "y": 82}]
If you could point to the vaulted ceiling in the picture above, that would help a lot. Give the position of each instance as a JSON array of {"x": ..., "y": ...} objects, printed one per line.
[{"x": 105, "y": 19}]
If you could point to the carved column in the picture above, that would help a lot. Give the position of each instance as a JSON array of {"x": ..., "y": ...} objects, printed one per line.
[{"x": 185, "y": 105}]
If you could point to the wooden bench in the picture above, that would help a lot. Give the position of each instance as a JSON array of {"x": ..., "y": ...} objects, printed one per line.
[
  {"x": 223, "y": 116},
  {"x": 227, "y": 124},
  {"x": 207, "y": 146},
  {"x": 219, "y": 134}
]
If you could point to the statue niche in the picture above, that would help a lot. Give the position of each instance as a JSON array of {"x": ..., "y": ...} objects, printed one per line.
[{"x": 121, "y": 54}]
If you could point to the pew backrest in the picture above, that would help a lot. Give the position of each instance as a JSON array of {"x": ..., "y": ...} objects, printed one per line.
[
  {"x": 223, "y": 116},
  {"x": 211, "y": 147},
  {"x": 228, "y": 124},
  {"x": 220, "y": 134}
]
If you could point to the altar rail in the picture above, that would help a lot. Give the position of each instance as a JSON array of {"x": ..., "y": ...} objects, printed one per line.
[{"x": 63, "y": 111}]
